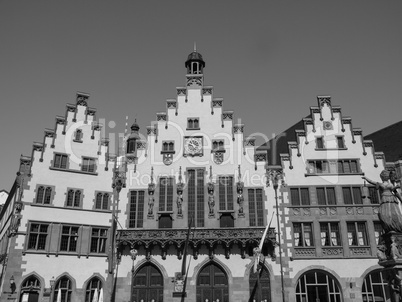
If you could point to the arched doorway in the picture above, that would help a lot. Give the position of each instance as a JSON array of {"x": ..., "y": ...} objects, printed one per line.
[
  {"x": 375, "y": 288},
  {"x": 318, "y": 286},
  {"x": 147, "y": 284},
  {"x": 30, "y": 289},
  {"x": 259, "y": 285},
  {"x": 212, "y": 284}
]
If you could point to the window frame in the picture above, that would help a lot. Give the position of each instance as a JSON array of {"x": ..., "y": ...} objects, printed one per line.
[
  {"x": 196, "y": 197},
  {"x": 300, "y": 200},
  {"x": 101, "y": 202},
  {"x": 70, "y": 238},
  {"x": 256, "y": 207},
  {"x": 43, "y": 196},
  {"x": 136, "y": 206},
  {"x": 329, "y": 233},
  {"x": 193, "y": 123},
  {"x": 39, "y": 234},
  {"x": 340, "y": 142},
  {"x": 301, "y": 234},
  {"x": 78, "y": 135},
  {"x": 170, "y": 147},
  {"x": 58, "y": 163},
  {"x": 352, "y": 190},
  {"x": 87, "y": 167},
  {"x": 74, "y": 199},
  {"x": 357, "y": 238},
  {"x": 100, "y": 238},
  {"x": 319, "y": 143},
  {"x": 326, "y": 196}
]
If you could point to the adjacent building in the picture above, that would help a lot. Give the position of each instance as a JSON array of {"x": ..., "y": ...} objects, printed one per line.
[{"x": 192, "y": 209}]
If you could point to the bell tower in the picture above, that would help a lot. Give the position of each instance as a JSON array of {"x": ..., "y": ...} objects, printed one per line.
[{"x": 195, "y": 68}]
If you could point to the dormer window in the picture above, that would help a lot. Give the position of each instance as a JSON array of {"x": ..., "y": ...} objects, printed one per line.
[{"x": 193, "y": 123}]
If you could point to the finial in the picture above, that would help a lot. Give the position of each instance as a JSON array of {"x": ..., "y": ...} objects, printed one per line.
[
  {"x": 180, "y": 179},
  {"x": 195, "y": 47},
  {"x": 239, "y": 174},
  {"x": 152, "y": 175}
]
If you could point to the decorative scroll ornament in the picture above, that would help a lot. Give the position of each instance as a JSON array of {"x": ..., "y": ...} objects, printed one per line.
[
  {"x": 275, "y": 174},
  {"x": 178, "y": 281},
  {"x": 167, "y": 159}
]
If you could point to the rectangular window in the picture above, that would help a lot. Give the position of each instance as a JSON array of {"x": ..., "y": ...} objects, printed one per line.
[
  {"x": 357, "y": 234},
  {"x": 303, "y": 234},
  {"x": 340, "y": 142},
  {"x": 319, "y": 142},
  {"x": 60, "y": 161},
  {"x": 352, "y": 195},
  {"x": 196, "y": 196},
  {"x": 136, "y": 213},
  {"x": 326, "y": 196},
  {"x": 98, "y": 240},
  {"x": 193, "y": 123},
  {"x": 348, "y": 166},
  {"x": 374, "y": 195},
  {"x": 69, "y": 238},
  {"x": 318, "y": 166},
  {"x": 166, "y": 194},
  {"x": 256, "y": 208},
  {"x": 88, "y": 165},
  {"x": 377, "y": 231},
  {"x": 300, "y": 196},
  {"x": 37, "y": 236},
  {"x": 168, "y": 146},
  {"x": 225, "y": 193},
  {"x": 330, "y": 235}
]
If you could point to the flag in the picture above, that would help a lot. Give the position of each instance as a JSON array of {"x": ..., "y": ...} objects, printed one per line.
[
  {"x": 183, "y": 265},
  {"x": 101, "y": 295},
  {"x": 95, "y": 297},
  {"x": 258, "y": 251},
  {"x": 59, "y": 295}
]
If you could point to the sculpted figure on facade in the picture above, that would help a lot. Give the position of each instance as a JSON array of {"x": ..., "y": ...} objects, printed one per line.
[
  {"x": 151, "y": 202},
  {"x": 211, "y": 198},
  {"x": 390, "y": 211},
  {"x": 179, "y": 202}
]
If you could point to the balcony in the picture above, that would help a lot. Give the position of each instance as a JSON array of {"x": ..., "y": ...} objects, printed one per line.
[{"x": 245, "y": 239}]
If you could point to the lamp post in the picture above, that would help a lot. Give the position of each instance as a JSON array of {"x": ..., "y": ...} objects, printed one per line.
[
  {"x": 12, "y": 285},
  {"x": 275, "y": 174}
]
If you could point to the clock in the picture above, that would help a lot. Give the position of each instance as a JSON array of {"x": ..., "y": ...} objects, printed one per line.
[{"x": 193, "y": 146}]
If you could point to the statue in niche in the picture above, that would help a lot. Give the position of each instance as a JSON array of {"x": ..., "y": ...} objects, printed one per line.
[
  {"x": 151, "y": 202},
  {"x": 240, "y": 201},
  {"x": 390, "y": 211},
  {"x": 179, "y": 202},
  {"x": 211, "y": 198}
]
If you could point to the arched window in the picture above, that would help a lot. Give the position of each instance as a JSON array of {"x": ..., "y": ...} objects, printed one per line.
[
  {"x": 147, "y": 284},
  {"x": 196, "y": 124},
  {"x": 190, "y": 124},
  {"x": 63, "y": 286},
  {"x": 73, "y": 198},
  {"x": 317, "y": 285},
  {"x": 48, "y": 195},
  {"x": 102, "y": 201},
  {"x": 78, "y": 135},
  {"x": 93, "y": 288},
  {"x": 171, "y": 146},
  {"x": 375, "y": 288},
  {"x": 259, "y": 285},
  {"x": 40, "y": 194},
  {"x": 212, "y": 284},
  {"x": 30, "y": 289},
  {"x": 165, "y": 146}
]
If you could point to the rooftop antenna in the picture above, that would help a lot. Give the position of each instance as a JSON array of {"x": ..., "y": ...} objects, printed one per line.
[{"x": 195, "y": 47}]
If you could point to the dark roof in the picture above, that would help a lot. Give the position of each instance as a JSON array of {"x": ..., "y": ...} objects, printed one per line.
[
  {"x": 279, "y": 144},
  {"x": 389, "y": 141},
  {"x": 195, "y": 56}
]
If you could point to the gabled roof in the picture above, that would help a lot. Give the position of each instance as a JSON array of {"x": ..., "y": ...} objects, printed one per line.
[
  {"x": 389, "y": 141},
  {"x": 279, "y": 144}
]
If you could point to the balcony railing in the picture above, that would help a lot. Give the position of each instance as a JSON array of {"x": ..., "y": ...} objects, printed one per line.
[{"x": 244, "y": 238}]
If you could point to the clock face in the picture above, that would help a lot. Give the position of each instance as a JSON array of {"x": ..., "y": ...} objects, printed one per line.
[{"x": 193, "y": 146}]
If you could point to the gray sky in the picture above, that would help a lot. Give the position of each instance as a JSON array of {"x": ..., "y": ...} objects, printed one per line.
[{"x": 267, "y": 59}]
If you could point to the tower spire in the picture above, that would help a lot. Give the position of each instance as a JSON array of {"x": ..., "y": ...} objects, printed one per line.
[{"x": 195, "y": 46}]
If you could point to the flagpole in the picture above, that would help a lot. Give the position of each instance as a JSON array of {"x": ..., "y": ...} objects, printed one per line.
[
  {"x": 184, "y": 269},
  {"x": 275, "y": 185}
]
